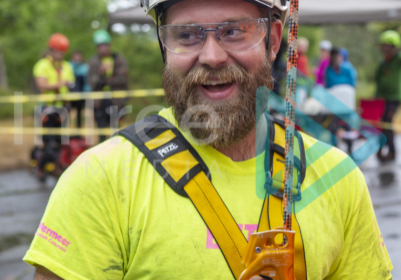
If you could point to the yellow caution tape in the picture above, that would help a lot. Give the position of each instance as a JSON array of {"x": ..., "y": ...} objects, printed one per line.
[
  {"x": 57, "y": 131},
  {"x": 72, "y": 96},
  {"x": 386, "y": 125}
]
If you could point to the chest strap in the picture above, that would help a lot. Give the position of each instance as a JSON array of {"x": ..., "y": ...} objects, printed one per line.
[{"x": 185, "y": 172}]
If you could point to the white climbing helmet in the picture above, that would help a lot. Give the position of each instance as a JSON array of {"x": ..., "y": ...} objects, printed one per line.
[{"x": 161, "y": 5}]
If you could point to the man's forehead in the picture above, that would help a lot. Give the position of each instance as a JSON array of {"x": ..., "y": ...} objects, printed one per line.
[{"x": 211, "y": 11}]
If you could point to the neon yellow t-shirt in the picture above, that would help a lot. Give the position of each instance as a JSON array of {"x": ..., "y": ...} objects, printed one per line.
[
  {"x": 112, "y": 216},
  {"x": 44, "y": 68}
]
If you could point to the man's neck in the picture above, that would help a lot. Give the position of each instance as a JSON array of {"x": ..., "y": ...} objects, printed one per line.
[{"x": 253, "y": 144}]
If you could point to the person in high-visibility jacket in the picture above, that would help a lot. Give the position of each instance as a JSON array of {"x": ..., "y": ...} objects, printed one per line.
[
  {"x": 53, "y": 76},
  {"x": 115, "y": 214}
]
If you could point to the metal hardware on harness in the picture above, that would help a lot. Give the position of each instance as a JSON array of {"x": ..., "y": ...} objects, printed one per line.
[
  {"x": 271, "y": 257},
  {"x": 276, "y": 261}
]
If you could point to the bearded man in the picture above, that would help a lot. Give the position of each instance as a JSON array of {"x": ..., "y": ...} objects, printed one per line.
[{"x": 115, "y": 215}]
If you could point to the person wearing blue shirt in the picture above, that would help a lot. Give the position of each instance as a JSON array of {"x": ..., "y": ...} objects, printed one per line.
[
  {"x": 346, "y": 63},
  {"x": 81, "y": 84},
  {"x": 336, "y": 73}
]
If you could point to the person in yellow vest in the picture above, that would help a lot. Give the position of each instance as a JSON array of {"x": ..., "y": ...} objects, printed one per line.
[
  {"x": 108, "y": 71},
  {"x": 53, "y": 76},
  {"x": 128, "y": 208}
]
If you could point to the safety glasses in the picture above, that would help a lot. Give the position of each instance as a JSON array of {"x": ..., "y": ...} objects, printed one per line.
[{"x": 231, "y": 36}]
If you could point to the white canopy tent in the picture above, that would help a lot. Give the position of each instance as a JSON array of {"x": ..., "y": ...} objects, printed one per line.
[
  {"x": 130, "y": 16},
  {"x": 310, "y": 12},
  {"x": 348, "y": 11}
]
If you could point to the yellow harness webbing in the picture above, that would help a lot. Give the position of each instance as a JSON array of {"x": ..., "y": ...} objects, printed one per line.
[
  {"x": 186, "y": 173},
  {"x": 219, "y": 221},
  {"x": 272, "y": 212}
]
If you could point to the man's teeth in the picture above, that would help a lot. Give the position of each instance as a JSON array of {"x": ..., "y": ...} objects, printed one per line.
[{"x": 216, "y": 83}]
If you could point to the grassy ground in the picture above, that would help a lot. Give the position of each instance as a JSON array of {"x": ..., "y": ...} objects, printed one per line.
[{"x": 14, "y": 156}]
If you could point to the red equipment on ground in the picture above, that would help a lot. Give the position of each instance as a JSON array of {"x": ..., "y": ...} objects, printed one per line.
[
  {"x": 371, "y": 111},
  {"x": 70, "y": 152}
]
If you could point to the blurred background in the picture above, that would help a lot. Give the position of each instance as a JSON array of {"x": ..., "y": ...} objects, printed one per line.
[{"x": 26, "y": 26}]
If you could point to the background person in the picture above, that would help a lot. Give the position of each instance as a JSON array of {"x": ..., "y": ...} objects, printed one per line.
[
  {"x": 108, "y": 71},
  {"x": 81, "y": 84},
  {"x": 303, "y": 61},
  {"x": 340, "y": 83},
  {"x": 345, "y": 62},
  {"x": 304, "y": 83},
  {"x": 53, "y": 76},
  {"x": 388, "y": 85},
  {"x": 337, "y": 74},
  {"x": 324, "y": 62}
]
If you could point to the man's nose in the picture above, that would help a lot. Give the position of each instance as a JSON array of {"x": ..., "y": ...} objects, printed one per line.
[{"x": 212, "y": 54}]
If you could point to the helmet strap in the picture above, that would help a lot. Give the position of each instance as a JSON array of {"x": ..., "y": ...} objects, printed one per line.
[
  {"x": 269, "y": 31},
  {"x": 158, "y": 36}
]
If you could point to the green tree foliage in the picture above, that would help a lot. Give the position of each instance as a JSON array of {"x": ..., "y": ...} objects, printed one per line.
[
  {"x": 142, "y": 52},
  {"x": 26, "y": 25}
]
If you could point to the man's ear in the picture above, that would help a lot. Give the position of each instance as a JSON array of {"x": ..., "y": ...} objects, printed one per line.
[{"x": 275, "y": 38}]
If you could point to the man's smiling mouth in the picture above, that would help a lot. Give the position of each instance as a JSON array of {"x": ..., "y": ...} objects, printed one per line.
[{"x": 216, "y": 86}]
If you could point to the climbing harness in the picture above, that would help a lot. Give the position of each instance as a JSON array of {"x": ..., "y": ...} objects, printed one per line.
[{"x": 184, "y": 171}]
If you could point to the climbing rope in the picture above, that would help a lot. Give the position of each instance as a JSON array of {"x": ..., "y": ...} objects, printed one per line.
[{"x": 292, "y": 58}]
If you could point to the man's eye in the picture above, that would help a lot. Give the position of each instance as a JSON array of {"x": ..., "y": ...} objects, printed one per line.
[
  {"x": 234, "y": 32},
  {"x": 186, "y": 36}
]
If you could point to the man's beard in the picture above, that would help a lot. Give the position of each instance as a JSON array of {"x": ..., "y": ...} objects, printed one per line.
[{"x": 234, "y": 118}]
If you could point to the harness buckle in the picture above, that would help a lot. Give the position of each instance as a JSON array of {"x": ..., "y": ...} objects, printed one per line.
[{"x": 270, "y": 254}]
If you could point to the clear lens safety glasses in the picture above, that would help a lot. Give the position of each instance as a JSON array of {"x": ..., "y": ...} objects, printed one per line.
[{"x": 231, "y": 36}]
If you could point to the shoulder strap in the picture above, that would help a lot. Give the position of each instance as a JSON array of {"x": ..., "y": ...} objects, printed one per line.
[
  {"x": 163, "y": 145},
  {"x": 184, "y": 171}
]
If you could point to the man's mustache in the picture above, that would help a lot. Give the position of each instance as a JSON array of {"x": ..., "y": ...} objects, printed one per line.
[{"x": 228, "y": 74}]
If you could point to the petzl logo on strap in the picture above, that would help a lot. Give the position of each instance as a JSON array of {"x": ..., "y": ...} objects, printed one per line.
[{"x": 167, "y": 149}]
